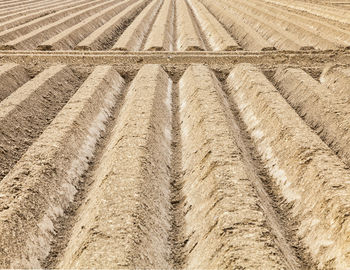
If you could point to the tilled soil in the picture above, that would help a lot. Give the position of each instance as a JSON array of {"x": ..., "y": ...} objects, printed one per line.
[
  {"x": 135, "y": 25},
  {"x": 189, "y": 134},
  {"x": 219, "y": 196}
]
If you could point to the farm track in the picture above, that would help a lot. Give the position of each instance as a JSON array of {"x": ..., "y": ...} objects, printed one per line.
[{"x": 171, "y": 134}]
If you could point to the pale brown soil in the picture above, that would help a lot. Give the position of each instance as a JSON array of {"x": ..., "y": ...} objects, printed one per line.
[
  {"x": 174, "y": 134},
  {"x": 26, "y": 113},
  {"x": 281, "y": 221}
]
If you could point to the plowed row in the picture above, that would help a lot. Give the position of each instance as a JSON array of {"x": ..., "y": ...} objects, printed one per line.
[
  {"x": 189, "y": 170},
  {"x": 174, "y": 134},
  {"x": 168, "y": 25}
]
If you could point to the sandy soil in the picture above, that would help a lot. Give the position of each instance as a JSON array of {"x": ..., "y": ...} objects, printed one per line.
[{"x": 171, "y": 134}]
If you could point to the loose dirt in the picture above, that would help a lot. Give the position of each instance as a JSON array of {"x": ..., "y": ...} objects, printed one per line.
[{"x": 174, "y": 134}]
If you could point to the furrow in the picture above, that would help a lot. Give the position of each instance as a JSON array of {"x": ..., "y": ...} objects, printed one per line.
[
  {"x": 215, "y": 33},
  {"x": 27, "y": 111},
  {"x": 19, "y": 3},
  {"x": 98, "y": 39},
  {"x": 311, "y": 178},
  {"x": 64, "y": 224},
  {"x": 133, "y": 36},
  {"x": 321, "y": 34},
  {"x": 13, "y": 20},
  {"x": 188, "y": 38},
  {"x": 26, "y": 8},
  {"x": 316, "y": 9},
  {"x": 33, "y": 38},
  {"x": 13, "y": 12},
  {"x": 12, "y": 2},
  {"x": 12, "y": 76},
  {"x": 176, "y": 238},
  {"x": 68, "y": 38},
  {"x": 125, "y": 222},
  {"x": 224, "y": 226},
  {"x": 325, "y": 111},
  {"x": 49, "y": 171},
  {"x": 20, "y": 30},
  {"x": 23, "y": 6},
  {"x": 10, "y": 22},
  {"x": 160, "y": 38},
  {"x": 246, "y": 36},
  {"x": 280, "y": 38},
  {"x": 337, "y": 79}
]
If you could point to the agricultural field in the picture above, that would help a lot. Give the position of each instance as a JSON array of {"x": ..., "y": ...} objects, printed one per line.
[
  {"x": 175, "y": 134},
  {"x": 168, "y": 25}
]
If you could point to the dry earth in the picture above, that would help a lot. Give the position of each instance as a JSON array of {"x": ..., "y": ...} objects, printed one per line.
[{"x": 175, "y": 134}]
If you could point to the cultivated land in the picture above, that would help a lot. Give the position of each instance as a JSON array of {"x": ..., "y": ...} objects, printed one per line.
[{"x": 175, "y": 134}]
